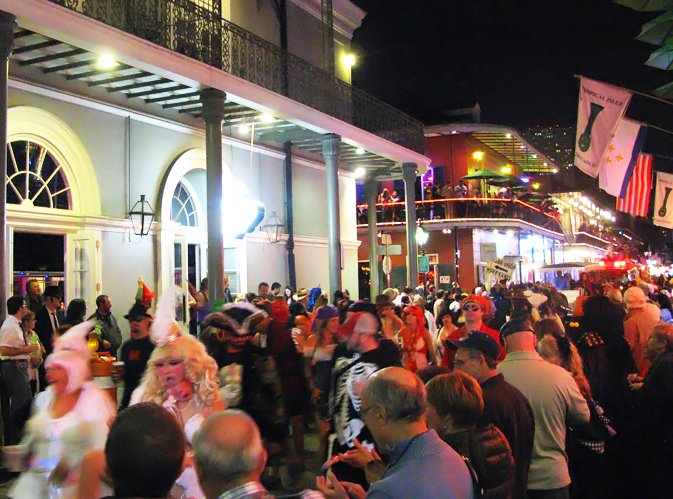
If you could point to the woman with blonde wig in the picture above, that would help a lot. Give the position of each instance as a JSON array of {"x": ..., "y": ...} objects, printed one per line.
[{"x": 181, "y": 377}]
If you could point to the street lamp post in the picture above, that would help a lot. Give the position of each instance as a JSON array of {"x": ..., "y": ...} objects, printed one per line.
[{"x": 422, "y": 238}]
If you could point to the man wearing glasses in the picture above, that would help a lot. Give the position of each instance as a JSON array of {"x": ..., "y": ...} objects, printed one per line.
[
  {"x": 15, "y": 355},
  {"x": 473, "y": 307}
]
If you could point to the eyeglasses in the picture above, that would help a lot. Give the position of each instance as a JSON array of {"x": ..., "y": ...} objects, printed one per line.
[
  {"x": 363, "y": 412},
  {"x": 474, "y": 308}
]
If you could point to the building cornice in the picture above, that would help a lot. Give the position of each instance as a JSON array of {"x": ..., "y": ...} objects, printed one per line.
[{"x": 347, "y": 16}]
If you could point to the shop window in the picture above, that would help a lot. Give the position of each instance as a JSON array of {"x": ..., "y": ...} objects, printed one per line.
[
  {"x": 183, "y": 209},
  {"x": 34, "y": 177}
]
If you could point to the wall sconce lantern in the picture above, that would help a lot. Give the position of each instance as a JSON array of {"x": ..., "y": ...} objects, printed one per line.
[
  {"x": 273, "y": 228},
  {"x": 142, "y": 216}
]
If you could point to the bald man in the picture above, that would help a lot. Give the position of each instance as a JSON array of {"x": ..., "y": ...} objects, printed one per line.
[
  {"x": 420, "y": 464},
  {"x": 638, "y": 325},
  {"x": 229, "y": 458}
]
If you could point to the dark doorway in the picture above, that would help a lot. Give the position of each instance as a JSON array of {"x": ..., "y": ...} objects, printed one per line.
[{"x": 38, "y": 256}]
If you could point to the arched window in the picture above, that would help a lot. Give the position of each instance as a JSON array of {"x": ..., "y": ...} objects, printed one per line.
[
  {"x": 183, "y": 209},
  {"x": 34, "y": 177}
]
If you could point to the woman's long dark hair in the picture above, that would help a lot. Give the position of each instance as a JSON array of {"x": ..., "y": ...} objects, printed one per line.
[{"x": 603, "y": 317}]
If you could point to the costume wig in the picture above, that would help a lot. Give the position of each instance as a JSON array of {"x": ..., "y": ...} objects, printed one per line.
[
  {"x": 77, "y": 366},
  {"x": 200, "y": 371}
]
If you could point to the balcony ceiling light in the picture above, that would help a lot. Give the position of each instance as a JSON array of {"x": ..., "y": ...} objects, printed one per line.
[
  {"x": 106, "y": 62},
  {"x": 506, "y": 169},
  {"x": 508, "y": 135},
  {"x": 267, "y": 118},
  {"x": 244, "y": 129},
  {"x": 360, "y": 150},
  {"x": 349, "y": 60},
  {"x": 359, "y": 172}
]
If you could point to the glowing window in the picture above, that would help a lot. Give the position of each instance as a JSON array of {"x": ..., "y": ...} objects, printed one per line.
[
  {"x": 183, "y": 209},
  {"x": 34, "y": 177}
]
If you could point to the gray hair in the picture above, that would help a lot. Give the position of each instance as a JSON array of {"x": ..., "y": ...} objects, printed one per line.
[
  {"x": 664, "y": 332},
  {"x": 615, "y": 295},
  {"x": 400, "y": 401},
  {"x": 222, "y": 463}
]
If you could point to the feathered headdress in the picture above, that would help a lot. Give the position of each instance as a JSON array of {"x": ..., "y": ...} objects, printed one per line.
[
  {"x": 165, "y": 328},
  {"x": 239, "y": 318},
  {"x": 75, "y": 339}
]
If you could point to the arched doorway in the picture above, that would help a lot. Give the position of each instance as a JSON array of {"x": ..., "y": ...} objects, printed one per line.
[
  {"x": 183, "y": 238},
  {"x": 51, "y": 186}
]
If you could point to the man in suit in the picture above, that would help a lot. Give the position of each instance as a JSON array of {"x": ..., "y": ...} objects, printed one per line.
[{"x": 49, "y": 318}]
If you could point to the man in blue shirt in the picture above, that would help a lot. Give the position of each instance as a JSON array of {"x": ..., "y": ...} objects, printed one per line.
[{"x": 420, "y": 464}]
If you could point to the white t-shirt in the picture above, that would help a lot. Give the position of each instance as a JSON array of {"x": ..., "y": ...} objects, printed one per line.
[{"x": 12, "y": 336}]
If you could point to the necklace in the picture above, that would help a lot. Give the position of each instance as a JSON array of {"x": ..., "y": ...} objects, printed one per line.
[
  {"x": 406, "y": 448},
  {"x": 177, "y": 404}
]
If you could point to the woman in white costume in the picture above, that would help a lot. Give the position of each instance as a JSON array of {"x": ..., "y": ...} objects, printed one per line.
[
  {"x": 70, "y": 418},
  {"x": 181, "y": 377}
]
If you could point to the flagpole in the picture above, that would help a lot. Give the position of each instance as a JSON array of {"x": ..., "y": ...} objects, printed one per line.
[
  {"x": 634, "y": 91},
  {"x": 651, "y": 126}
]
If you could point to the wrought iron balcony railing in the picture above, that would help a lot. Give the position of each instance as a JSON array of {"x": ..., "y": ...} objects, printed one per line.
[
  {"x": 195, "y": 28},
  {"x": 455, "y": 209}
]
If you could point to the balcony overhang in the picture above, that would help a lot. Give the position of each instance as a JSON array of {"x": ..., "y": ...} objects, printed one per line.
[
  {"x": 503, "y": 140},
  {"x": 470, "y": 223},
  {"x": 59, "y": 48}
]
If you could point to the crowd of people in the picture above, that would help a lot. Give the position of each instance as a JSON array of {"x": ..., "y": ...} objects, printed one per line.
[
  {"x": 439, "y": 202},
  {"x": 506, "y": 393}
]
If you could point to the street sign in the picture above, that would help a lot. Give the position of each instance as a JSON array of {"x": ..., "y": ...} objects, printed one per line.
[
  {"x": 444, "y": 279},
  {"x": 488, "y": 252},
  {"x": 392, "y": 249},
  {"x": 423, "y": 264}
]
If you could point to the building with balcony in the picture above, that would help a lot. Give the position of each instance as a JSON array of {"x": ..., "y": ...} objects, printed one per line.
[
  {"x": 508, "y": 215},
  {"x": 197, "y": 106}
]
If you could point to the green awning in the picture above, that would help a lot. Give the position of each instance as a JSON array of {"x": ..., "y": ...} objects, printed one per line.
[{"x": 659, "y": 31}]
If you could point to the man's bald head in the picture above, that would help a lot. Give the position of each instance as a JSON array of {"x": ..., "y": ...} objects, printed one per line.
[
  {"x": 400, "y": 392},
  {"x": 228, "y": 449},
  {"x": 634, "y": 298}
]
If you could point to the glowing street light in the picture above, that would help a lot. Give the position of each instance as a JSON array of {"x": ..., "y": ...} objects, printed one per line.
[{"x": 421, "y": 236}]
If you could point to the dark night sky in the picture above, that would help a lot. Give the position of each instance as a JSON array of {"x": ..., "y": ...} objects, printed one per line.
[{"x": 516, "y": 58}]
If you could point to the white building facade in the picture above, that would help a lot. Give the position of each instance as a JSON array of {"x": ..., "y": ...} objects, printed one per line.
[{"x": 85, "y": 142}]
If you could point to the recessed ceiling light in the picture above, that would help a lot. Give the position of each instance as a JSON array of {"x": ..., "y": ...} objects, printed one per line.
[
  {"x": 360, "y": 150},
  {"x": 107, "y": 62}
]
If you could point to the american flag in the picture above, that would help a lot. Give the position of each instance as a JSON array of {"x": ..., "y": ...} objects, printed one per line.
[{"x": 637, "y": 198}]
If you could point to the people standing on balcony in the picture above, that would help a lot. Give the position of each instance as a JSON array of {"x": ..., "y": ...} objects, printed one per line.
[
  {"x": 387, "y": 209},
  {"x": 397, "y": 210},
  {"x": 447, "y": 193},
  {"x": 437, "y": 208},
  {"x": 427, "y": 205},
  {"x": 460, "y": 192}
]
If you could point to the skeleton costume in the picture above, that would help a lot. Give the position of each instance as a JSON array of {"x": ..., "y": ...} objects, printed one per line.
[{"x": 351, "y": 371}]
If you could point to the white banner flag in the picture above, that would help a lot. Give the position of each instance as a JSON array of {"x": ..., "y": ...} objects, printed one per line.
[
  {"x": 663, "y": 205},
  {"x": 601, "y": 106},
  {"x": 620, "y": 158}
]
